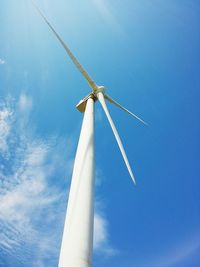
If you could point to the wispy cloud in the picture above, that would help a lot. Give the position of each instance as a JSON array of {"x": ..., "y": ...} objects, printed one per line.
[
  {"x": 107, "y": 14},
  {"x": 101, "y": 239},
  {"x": 25, "y": 103},
  {"x": 2, "y": 61},
  {"x": 32, "y": 205},
  {"x": 28, "y": 199},
  {"x": 5, "y": 121},
  {"x": 179, "y": 253},
  {"x": 102, "y": 242}
]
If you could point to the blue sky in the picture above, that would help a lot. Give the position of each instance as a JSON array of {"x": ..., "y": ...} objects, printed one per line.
[{"x": 146, "y": 53}]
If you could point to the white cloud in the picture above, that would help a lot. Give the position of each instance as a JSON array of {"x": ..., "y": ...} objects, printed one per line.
[
  {"x": 106, "y": 12},
  {"x": 180, "y": 252},
  {"x": 28, "y": 199},
  {"x": 100, "y": 230},
  {"x": 5, "y": 117},
  {"x": 101, "y": 234},
  {"x": 25, "y": 103},
  {"x": 101, "y": 240},
  {"x": 2, "y": 62}
]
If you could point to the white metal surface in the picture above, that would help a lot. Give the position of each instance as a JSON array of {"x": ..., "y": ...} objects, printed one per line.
[
  {"x": 70, "y": 54},
  {"x": 76, "y": 247},
  {"x": 123, "y": 108},
  {"x": 119, "y": 142}
]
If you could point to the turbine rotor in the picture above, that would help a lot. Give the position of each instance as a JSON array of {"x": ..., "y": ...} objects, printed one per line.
[{"x": 98, "y": 93}]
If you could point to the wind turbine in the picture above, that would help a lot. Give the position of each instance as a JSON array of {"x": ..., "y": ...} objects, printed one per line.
[{"x": 77, "y": 240}]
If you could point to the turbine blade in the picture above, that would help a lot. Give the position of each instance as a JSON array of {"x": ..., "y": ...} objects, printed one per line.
[
  {"x": 70, "y": 54},
  {"x": 103, "y": 104},
  {"x": 119, "y": 106}
]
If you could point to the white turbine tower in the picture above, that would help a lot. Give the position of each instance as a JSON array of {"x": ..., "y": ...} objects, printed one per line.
[{"x": 77, "y": 240}]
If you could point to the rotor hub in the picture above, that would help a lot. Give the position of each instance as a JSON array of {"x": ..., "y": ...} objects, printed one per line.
[
  {"x": 99, "y": 89},
  {"x": 82, "y": 104}
]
